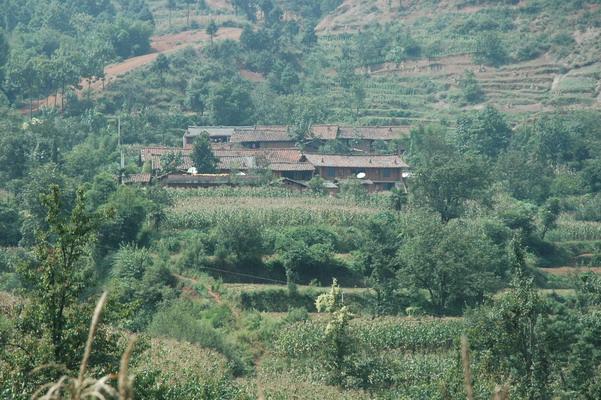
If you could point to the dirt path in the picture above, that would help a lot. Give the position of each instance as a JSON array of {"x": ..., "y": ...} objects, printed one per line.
[
  {"x": 257, "y": 360},
  {"x": 260, "y": 389},
  {"x": 163, "y": 44}
]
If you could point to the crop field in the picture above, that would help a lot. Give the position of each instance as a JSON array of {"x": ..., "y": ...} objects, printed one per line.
[
  {"x": 570, "y": 230},
  {"x": 413, "y": 356},
  {"x": 201, "y": 209}
]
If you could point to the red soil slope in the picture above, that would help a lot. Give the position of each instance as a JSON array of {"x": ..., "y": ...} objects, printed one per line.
[{"x": 163, "y": 44}]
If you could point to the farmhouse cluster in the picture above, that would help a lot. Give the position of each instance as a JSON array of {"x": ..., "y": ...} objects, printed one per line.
[{"x": 245, "y": 152}]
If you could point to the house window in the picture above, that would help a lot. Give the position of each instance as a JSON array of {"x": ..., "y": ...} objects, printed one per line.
[
  {"x": 330, "y": 172},
  {"x": 386, "y": 173}
]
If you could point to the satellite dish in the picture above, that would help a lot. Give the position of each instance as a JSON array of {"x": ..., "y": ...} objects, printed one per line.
[
  {"x": 192, "y": 170},
  {"x": 361, "y": 175}
]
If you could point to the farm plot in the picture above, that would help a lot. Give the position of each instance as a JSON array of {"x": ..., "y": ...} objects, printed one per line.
[{"x": 206, "y": 209}]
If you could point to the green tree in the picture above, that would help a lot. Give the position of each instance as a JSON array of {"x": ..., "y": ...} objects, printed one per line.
[
  {"x": 212, "y": 29},
  {"x": 231, "y": 103},
  {"x": 472, "y": 92},
  {"x": 131, "y": 208},
  {"x": 377, "y": 259},
  {"x": 196, "y": 95},
  {"x": 139, "y": 284},
  {"x": 171, "y": 162},
  {"x": 188, "y": 3},
  {"x": 456, "y": 263},
  {"x": 161, "y": 66},
  {"x": 549, "y": 213},
  {"x": 445, "y": 181},
  {"x": 339, "y": 344},
  {"x": 171, "y": 6},
  {"x": 486, "y": 132},
  {"x": 202, "y": 155},
  {"x": 398, "y": 199},
  {"x": 511, "y": 334},
  {"x": 241, "y": 238},
  {"x": 10, "y": 222},
  {"x": 4, "y": 53},
  {"x": 14, "y": 151},
  {"x": 490, "y": 49},
  {"x": 58, "y": 272}
]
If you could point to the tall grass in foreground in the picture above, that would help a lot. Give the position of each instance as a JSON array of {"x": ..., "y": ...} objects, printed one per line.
[{"x": 82, "y": 387}]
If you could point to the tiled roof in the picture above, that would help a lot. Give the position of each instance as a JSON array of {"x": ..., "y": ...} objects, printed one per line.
[
  {"x": 324, "y": 132},
  {"x": 137, "y": 178},
  {"x": 373, "y": 132},
  {"x": 276, "y": 159},
  {"x": 292, "y": 167},
  {"x": 271, "y": 155},
  {"x": 261, "y": 134},
  {"x": 372, "y": 161},
  {"x": 237, "y": 162},
  {"x": 148, "y": 153}
]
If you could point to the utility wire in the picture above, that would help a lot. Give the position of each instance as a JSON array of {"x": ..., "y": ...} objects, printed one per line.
[{"x": 246, "y": 275}]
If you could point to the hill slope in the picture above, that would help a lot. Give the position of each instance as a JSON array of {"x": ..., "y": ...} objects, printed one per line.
[{"x": 551, "y": 54}]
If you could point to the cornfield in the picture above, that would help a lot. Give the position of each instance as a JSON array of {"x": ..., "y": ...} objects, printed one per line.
[
  {"x": 570, "y": 230},
  {"x": 409, "y": 335},
  {"x": 201, "y": 212},
  {"x": 383, "y": 334}
]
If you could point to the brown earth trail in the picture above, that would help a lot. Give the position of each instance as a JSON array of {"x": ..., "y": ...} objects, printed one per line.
[{"x": 163, "y": 44}]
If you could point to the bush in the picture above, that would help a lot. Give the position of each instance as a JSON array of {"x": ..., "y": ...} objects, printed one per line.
[
  {"x": 10, "y": 222},
  {"x": 490, "y": 50},
  {"x": 590, "y": 210},
  {"x": 193, "y": 323}
]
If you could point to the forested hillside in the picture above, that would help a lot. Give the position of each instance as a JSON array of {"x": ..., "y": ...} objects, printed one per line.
[{"x": 475, "y": 276}]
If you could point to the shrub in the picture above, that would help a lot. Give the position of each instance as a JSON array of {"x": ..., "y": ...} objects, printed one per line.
[
  {"x": 192, "y": 323},
  {"x": 590, "y": 210},
  {"x": 490, "y": 49}
]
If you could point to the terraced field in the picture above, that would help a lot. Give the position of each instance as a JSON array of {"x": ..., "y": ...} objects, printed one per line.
[{"x": 427, "y": 87}]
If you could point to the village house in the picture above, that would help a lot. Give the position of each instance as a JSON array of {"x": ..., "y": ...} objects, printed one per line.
[
  {"x": 358, "y": 139},
  {"x": 249, "y": 151},
  {"x": 384, "y": 172},
  {"x": 289, "y": 163},
  {"x": 143, "y": 179},
  {"x": 365, "y": 138},
  {"x": 263, "y": 137}
]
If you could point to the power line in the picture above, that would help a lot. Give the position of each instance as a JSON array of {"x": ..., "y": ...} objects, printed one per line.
[{"x": 246, "y": 275}]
